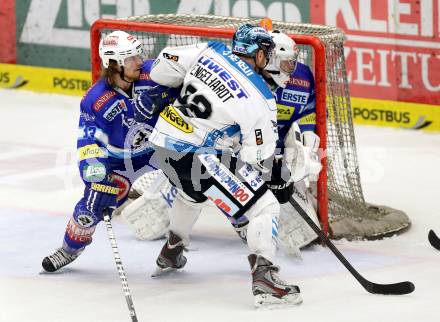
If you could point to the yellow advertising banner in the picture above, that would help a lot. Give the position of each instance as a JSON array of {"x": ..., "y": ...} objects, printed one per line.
[
  {"x": 396, "y": 114},
  {"x": 365, "y": 110},
  {"x": 46, "y": 80}
]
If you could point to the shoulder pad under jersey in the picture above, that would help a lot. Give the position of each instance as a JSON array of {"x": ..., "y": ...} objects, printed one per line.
[{"x": 100, "y": 95}]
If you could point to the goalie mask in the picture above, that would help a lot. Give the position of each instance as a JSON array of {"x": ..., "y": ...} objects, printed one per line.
[
  {"x": 118, "y": 46},
  {"x": 283, "y": 62}
]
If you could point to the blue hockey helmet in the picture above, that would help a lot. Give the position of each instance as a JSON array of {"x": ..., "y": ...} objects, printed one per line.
[{"x": 249, "y": 38}]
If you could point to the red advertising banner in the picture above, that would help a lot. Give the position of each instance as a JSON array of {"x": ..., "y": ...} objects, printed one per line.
[
  {"x": 8, "y": 48},
  {"x": 392, "y": 49}
]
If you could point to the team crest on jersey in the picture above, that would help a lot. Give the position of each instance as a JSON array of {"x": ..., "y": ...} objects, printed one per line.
[
  {"x": 170, "y": 115},
  {"x": 137, "y": 137},
  {"x": 171, "y": 57}
]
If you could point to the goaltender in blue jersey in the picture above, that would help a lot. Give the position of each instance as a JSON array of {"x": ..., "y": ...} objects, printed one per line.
[
  {"x": 113, "y": 148},
  {"x": 296, "y": 102}
]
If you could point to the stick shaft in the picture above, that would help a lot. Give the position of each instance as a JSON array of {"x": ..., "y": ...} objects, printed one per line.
[{"x": 121, "y": 272}]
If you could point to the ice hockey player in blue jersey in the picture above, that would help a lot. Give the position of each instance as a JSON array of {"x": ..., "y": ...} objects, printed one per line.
[{"x": 112, "y": 147}]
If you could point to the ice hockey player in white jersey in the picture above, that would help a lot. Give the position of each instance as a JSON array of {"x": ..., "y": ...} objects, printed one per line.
[
  {"x": 293, "y": 85},
  {"x": 148, "y": 216},
  {"x": 212, "y": 144}
]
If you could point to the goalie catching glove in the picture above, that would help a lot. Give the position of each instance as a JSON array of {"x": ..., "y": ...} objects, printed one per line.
[{"x": 302, "y": 160}]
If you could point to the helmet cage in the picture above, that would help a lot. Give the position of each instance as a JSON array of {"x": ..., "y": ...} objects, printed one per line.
[{"x": 284, "y": 60}]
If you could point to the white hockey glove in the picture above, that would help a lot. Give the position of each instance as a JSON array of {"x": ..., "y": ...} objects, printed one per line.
[{"x": 301, "y": 160}]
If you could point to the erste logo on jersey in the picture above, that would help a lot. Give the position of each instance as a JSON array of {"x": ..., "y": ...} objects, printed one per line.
[
  {"x": 115, "y": 109},
  {"x": 288, "y": 95}
]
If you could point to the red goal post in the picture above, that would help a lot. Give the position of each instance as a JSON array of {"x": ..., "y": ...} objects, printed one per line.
[{"x": 320, "y": 79}]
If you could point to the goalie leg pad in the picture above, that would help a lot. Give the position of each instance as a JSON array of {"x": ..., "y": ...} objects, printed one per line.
[
  {"x": 294, "y": 232},
  {"x": 148, "y": 215}
]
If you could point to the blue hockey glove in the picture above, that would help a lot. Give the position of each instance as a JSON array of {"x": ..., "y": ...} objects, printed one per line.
[
  {"x": 100, "y": 196},
  {"x": 151, "y": 101}
]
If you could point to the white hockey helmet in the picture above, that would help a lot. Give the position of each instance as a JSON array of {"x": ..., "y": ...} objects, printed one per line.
[
  {"x": 283, "y": 62},
  {"x": 118, "y": 46}
]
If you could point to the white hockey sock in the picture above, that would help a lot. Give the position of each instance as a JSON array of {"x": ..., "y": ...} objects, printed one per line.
[
  {"x": 183, "y": 216},
  {"x": 263, "y": 226}
]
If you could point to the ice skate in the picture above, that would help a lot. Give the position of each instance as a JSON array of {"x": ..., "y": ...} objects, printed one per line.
[
  {"x": 58, "y": 260},
  {"x": 171, "y": 256},
  {"x": 269, "y": 290}
]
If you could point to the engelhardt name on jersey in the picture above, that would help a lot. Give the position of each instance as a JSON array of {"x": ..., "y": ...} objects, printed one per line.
[{"x": 223, "y": 105}]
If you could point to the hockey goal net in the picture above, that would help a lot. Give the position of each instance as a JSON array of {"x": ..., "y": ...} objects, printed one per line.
[{"x": 342, "y": 209}]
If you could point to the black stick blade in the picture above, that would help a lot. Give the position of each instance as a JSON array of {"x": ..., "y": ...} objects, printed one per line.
[
  {"x": 434, "y": 240},
  {"x": 391, "y": 289}
]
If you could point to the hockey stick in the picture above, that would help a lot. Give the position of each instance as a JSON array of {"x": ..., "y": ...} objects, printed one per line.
[
  {"x": 119, "y": 266},
  {"x": 386, "y": 289},
  {"x": 434, "y": 240}
]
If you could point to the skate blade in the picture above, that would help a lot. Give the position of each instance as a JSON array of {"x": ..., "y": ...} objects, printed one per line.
[
  {"x": 163, "y": 271},
  {"x": 269, "y": 302}
]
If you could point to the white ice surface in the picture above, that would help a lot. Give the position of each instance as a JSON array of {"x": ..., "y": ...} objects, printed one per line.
[{"x": 39, "y": 187}]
